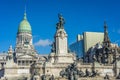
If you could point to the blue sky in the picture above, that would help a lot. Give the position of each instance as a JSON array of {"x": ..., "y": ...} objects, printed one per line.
[{"x": 80, "y": 16}]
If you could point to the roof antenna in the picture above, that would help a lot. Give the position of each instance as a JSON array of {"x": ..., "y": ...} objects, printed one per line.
[
  {"x": 25, "y": 8},
  {"x": 25, "y": 5},
  {"x": 25, "y": 17}
]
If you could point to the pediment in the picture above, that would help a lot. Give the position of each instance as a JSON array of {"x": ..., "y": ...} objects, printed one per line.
[{"x": 27, "y": 56}]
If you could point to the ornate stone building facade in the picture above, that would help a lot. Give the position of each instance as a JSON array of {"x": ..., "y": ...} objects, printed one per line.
[{"x": 24, "y": 63}]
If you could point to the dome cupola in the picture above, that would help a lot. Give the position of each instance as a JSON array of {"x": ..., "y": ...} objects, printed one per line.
[{"x": 24, "y": 26}]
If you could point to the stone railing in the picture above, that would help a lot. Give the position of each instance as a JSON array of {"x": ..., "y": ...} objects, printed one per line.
[{"x": 87, "y": 78}]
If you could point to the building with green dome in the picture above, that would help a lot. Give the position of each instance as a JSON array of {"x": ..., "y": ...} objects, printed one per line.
[{"x": 25, "y": 54}]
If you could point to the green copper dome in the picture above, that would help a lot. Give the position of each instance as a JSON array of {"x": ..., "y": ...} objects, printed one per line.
[{"x": 24, "y": 25}]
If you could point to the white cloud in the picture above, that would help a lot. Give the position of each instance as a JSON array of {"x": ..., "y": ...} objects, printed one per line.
[
  {"x": 35, "y": 36},
  {"x": 117, "y": 41},
  {"x": 118, "y": 31},
  {"x": 43, "y": 43}
]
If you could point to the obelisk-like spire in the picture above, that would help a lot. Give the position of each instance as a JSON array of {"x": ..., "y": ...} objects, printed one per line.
[{"x": 106, "y": 37}]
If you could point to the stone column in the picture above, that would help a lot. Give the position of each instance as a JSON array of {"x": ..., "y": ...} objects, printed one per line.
[
  {"x": 20, "y": 63},
  {"x": 27, "y": 63},
  {"x": 24, "y": 62}
]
